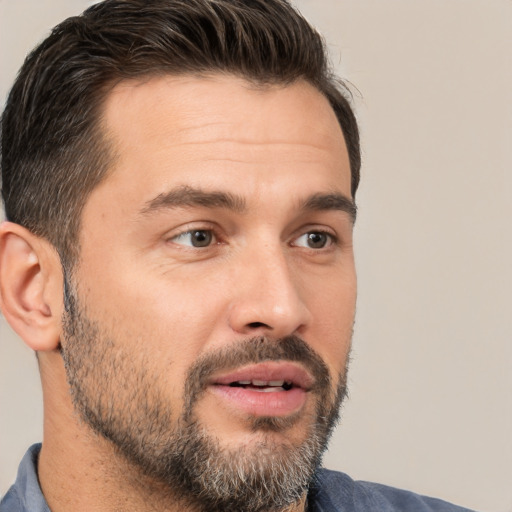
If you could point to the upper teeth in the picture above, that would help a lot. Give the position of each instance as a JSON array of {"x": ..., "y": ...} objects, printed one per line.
[{"x": 271, "y": 383}]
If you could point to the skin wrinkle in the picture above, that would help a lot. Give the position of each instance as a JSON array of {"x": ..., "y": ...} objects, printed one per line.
[{"x": 248, "y": 142}]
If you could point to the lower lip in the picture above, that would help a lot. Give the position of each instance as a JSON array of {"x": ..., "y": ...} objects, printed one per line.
[{"x": 260, "y": 403}]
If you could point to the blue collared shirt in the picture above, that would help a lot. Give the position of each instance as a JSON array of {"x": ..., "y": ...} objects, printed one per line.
[{"x": 331, "y": 492}]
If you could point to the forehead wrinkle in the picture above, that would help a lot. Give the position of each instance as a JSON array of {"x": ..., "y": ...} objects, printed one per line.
[{"x": 304, "y": 144}]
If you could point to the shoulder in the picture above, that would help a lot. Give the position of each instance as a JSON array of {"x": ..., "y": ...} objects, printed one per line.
[
  {"x": 336, "y": 491},
  {"x": 25, "y": 494},
  {"x": 11, "y": 502}
]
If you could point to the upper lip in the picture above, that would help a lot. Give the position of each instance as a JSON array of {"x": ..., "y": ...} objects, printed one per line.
[{"x": 268, "y": 371}]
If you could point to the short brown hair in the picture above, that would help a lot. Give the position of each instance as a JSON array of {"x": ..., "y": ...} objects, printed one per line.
[{"x": 53, "y": 154}]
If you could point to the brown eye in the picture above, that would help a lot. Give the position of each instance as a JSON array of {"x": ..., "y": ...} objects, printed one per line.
[
  {"x": 195, "y": 238},
  {"x": 314, "y": 240},
  {"x": 317, "y": 240},
  {"x": 201, "y": 238}
]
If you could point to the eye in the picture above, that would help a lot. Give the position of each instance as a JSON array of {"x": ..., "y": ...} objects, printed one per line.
[
  {"x": 195, "y": 238},
  {"x": 314, "y": 240}
]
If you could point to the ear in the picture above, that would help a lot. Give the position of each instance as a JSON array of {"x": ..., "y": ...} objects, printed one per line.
[{"x": 30, "y": 286}]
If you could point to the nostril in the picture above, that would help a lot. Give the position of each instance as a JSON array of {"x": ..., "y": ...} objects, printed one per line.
[{"x": 256, "y": 325}]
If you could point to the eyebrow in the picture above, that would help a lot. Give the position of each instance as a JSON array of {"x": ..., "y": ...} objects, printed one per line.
[
  {"x": 187, "y": 196},
  {"x": 334, "y": 201}
]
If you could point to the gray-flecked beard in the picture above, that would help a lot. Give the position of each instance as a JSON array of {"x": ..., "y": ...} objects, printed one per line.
[{"x": 118, "y": 395}]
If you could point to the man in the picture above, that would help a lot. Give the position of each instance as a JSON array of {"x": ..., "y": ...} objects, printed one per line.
[{"x": 179, "y": 183}]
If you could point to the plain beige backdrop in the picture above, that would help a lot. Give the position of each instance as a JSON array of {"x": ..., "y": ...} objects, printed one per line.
[{"x": 431, "y": 378}]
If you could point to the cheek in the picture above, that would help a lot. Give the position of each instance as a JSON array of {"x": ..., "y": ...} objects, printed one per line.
[
  {"x": 333, "y": 313},
  {"x": 169, "y": 318}
]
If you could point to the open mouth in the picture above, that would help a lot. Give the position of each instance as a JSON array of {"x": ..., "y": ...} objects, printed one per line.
[
  {"x": 281, "y": 375},
  {"x": 271, "y": 388},
  {"x": 263, "y": 386}
]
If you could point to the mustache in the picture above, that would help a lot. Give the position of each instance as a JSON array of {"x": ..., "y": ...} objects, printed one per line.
[{"x": 252, "y": 351}]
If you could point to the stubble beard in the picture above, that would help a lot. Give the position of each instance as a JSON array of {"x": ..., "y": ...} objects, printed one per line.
[{"x": 120, "y": 398}]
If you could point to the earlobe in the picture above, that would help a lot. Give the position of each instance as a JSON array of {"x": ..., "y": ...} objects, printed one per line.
[{"x": 30, "y": 286}]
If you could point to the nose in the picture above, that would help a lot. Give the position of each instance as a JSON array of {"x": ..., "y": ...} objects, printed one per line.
[{"x": 267, "y": 299}]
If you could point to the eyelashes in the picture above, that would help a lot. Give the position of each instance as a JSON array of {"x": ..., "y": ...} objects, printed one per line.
[
  {"x": 315, "y": 240},
  {"x": 197, "y": 238},
  {"x": 203, "y": 238}
]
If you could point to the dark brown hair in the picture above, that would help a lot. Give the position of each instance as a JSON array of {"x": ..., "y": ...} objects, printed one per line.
[{"x": 53, "y": 153}]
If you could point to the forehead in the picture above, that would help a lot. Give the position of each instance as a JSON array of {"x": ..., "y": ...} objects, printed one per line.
[
  {"x": 192, "y": 102},
  {"x": 222, "y": 130}
]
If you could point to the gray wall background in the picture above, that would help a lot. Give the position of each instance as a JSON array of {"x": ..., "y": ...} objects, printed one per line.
[{"x": 431, "y": 379}]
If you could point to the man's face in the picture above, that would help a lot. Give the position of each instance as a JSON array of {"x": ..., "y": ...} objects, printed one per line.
[{"x": 213, "y": 303}]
